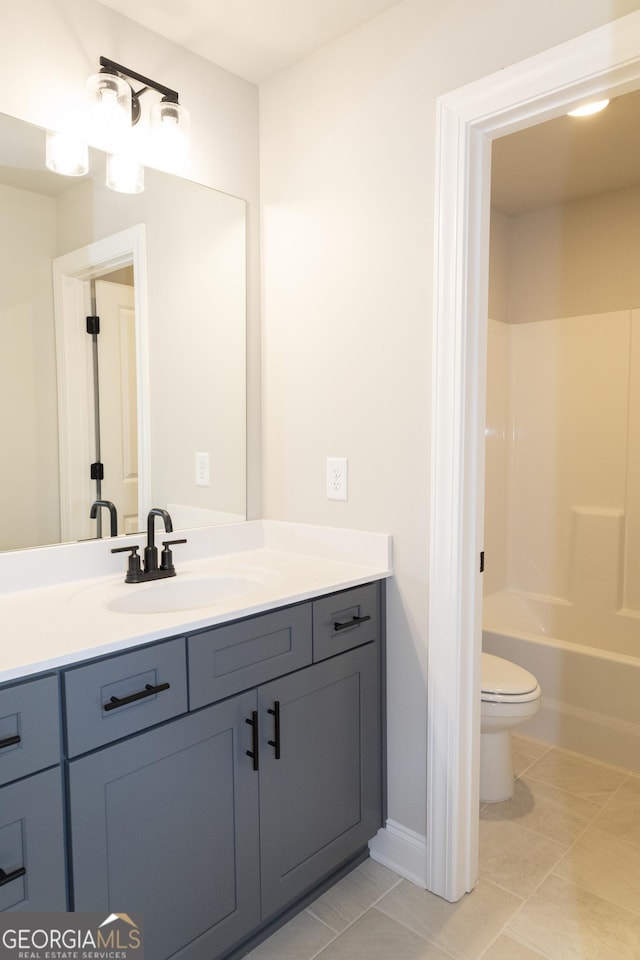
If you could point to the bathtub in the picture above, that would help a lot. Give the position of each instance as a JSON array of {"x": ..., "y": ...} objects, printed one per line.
[{"x": 590, "y": 698}]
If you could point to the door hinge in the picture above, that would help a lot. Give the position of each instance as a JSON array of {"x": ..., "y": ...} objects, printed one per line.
[
  {"x": 482, "y": 561},
  {"x": 97, "y": 471},
  {"x": 93, "y": 325}
]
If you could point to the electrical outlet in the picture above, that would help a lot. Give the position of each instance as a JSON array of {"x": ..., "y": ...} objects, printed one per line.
[
  {"x": 337, "y": 476},
  {"x": 202, "y": 470}
]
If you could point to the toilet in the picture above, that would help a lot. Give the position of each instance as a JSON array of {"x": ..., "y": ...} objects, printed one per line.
[{"x": 510, "y": 696}]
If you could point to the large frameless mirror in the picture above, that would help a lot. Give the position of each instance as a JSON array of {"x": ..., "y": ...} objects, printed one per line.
[{"x": 150, "y": 410}]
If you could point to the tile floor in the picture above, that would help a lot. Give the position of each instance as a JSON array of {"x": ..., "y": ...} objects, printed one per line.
[{"x": 559, "y": 879}]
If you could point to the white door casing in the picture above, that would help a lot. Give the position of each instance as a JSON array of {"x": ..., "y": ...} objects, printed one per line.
[{"x": 605, "y": 61}]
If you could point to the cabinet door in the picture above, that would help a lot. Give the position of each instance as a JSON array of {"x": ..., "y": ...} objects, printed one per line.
[
  {"x": 32, "y": 855},
  {"x": 320, "y": 801},
  {"x": 166, "y": 824}
]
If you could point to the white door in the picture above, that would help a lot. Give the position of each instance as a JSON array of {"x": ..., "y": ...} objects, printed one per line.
[{"x": 118, "y": 402}]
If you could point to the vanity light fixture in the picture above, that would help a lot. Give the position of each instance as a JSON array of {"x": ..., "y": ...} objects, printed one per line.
[
  {"x": 110, "y": 122},
  {"x": 66, "y": 154},
  {"x": 125, "y": 173},
  {"x": 116, "y": 109},
  {"x": 587, "y": 109}
]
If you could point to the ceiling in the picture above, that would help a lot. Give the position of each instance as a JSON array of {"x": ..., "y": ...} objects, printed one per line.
[
  {"x": 568, "y": 158},
  {"x": 254, "y": 39}
]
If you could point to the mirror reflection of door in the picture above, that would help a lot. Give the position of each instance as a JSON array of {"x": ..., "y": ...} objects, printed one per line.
[
  {"x": 98, "y": 280},
  {"x": 118, "y": 421}
]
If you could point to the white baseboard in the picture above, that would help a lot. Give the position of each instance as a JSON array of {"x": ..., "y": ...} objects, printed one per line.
[{"x": 401, "y": 850}]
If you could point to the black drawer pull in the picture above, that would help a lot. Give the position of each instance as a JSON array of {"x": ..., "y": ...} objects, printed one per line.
[
  {"x": 275, "y": 713},
  {"x": 147, "y": 692},
  {"x": 8, "y": 877},
  {"x": 351, "y": 623},
  {"x": 254, "y": 752},
  {"x": 9, "y": 741}
]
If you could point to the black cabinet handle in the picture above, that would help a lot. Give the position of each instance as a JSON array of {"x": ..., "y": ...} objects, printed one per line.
[
  {"x": 351, "y": 623},
  {"x": 148, "y": 691},
  {"x": 275, "y": 713},
  {"x": 254, "y": 752},
  {"x": 9, "y": 741},
  {"x": 8, "y": 877}
]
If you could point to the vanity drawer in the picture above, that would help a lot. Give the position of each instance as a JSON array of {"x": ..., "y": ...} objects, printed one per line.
[
  {"x": 333, "y": 629},
  {"x": 120, "y": 695},
  {"x": 29, "y": 728},
  {"x": 228, "y": 659}
]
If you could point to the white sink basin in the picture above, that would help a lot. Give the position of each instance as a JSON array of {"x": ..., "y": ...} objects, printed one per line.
[{"x": 173, "y": 595}]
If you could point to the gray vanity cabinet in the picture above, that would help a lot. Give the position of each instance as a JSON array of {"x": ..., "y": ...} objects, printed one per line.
[
  {"x": 244, "y": 770},
  {"x": 32, "y": 850},
  {"x": 320, "y": 799},
  {"x": 166, "y": 824}
]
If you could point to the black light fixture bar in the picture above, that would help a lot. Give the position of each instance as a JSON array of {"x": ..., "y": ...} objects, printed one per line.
[{"x": 113, "y": 67}]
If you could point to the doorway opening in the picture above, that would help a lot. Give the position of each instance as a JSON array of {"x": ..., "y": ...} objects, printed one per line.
[
  {"x": 603, "y": 62},
  {"x": 562, "y": 488}
]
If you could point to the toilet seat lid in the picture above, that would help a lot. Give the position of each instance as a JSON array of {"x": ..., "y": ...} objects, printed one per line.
[{"x": 503, "y": 678}]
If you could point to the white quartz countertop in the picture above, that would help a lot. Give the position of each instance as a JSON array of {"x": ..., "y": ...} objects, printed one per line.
[{"x": 244, "y": 569}]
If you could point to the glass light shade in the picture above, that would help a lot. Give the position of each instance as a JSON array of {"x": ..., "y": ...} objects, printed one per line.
[
  {"x": 66, "y": 154},
  {"x": 109, "y": 109},
  {"x": 125, "y": 173},
  {"x": 170, "y": 135}
]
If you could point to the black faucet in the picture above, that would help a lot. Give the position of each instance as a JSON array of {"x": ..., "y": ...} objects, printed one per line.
[
  {"x": 151, "y": 551},
  {"x": 93, "y": 513},
  {"x": 136, "y": 573}
]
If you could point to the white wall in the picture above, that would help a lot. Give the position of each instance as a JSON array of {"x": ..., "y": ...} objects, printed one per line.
[
  {"x": 575, "y": 259},
  {"x": 347, "y": 174},
  {"x": 51, "y": 46},
  {"x": 29, "y": 486}
]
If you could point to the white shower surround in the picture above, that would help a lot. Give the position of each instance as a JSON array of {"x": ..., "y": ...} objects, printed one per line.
[
  {"x": 562, "y": 506},
  {"x": 606, "y": 60}
]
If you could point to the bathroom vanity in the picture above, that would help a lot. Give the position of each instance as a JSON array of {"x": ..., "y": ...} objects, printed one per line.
[{"x": 211, "y": 777}]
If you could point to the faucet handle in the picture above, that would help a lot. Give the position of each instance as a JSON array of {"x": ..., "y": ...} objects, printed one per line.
[
  {"x": 166, "y": 557},
  {"x": 133, "y": 566}
]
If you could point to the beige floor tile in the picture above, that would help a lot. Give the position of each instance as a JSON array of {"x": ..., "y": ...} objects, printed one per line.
[
  {"x": 521, "y": 762},
  {"x": 463, "y": 929},
  {"x": 525, "y": 751},
  {"x": 554, "y": 813},
  {"x": 565, "y": 922},
  {"x": 354, "y": 894},
  {"x": 579, "y": 775},
  {"x": 299, "y": 939},
  {"x": 621, "y": 816},
  {"x": 513, "y": 857},
  {"x": 377, "y": 937},
  {"x": 606, "y": 866},
  {"x": 507, "y": 949}
]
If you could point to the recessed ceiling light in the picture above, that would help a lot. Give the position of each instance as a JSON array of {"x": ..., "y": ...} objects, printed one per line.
[{"x": 585, "y": 111}]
